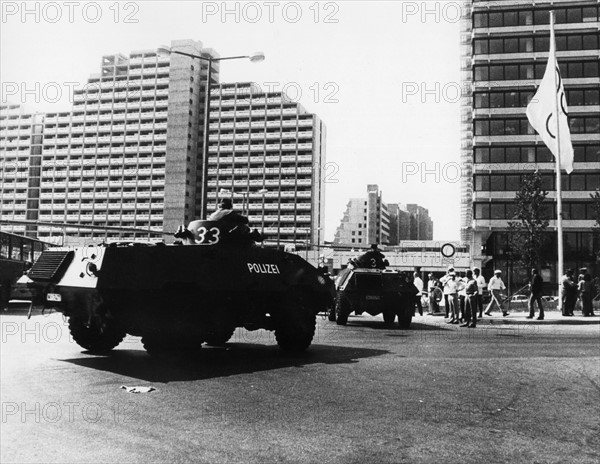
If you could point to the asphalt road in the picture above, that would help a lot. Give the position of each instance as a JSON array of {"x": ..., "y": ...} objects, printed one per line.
[{"x": 508, "y": 391}]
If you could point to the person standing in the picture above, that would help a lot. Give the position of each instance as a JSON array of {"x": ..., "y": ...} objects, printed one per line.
[
  {"x": 535, "y": 285},
  {"x": 462, "y": 296},
  {"x": 480, "y": 286},
  {"x": 496, "y": 286},
  {"x": 432, "y": 289},
  {"x": 444, "y": 280},
  {"x": 568, "y": 293},
  {"x": 418, "y": 282},
  {"x": 471, "y": 301},
  {"x": 452, "y": 287},
  {"x": 585, "y": 293}
]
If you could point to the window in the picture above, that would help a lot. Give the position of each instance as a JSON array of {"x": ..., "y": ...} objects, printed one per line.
[
  {"x": 496, "y": 183},
  {"x": 482, "y": 155},
  {"x": 495, "y": 20},
  {"x": 482, "y": 128},
  {"x": 525, "y": 18},
  {"x": 497, "y": 211},
  {"x": 496, "y": 100},
  {"x": 590, "y": 69},
  {"x": 513, "y": 182},
  {"x": 482, "y": 210},
  {"x": 495, "y": 46},
  {"x": 497, "y": 127},
  {"x": 482, "y": 100},
  {"x": 526, "y": 44}
]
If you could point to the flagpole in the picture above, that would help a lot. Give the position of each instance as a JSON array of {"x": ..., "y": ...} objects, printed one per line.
[{"x": 560, "y": 268}]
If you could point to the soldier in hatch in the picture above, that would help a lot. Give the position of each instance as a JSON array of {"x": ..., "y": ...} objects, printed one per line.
[{"x": 373, "y": 259}]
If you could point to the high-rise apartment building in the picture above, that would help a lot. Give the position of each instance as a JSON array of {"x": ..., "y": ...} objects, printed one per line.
[
  {"x": 505, "y": 50},
  {"x": 122, "y": 157},
  {"x": 369, "y": 220},
  {"x": 267, "y": 153},
  {"x": 130, "y": 154},
  {"x": 20, "y": 159}
]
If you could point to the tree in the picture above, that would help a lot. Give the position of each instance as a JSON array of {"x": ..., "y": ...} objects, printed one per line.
[{"x": 527, "y": 230}]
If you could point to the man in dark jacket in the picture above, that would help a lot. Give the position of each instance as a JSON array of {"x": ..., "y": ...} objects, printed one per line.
[
  {"x": 373, "y": 259},
  {"x": 568, "y": 293},
  {"x": 226, "y": 216},
  {"x": 471, "y": 291},
  {"x": 536, "y": 295}
]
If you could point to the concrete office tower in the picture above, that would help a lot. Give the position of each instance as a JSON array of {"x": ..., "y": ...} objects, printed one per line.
[
  {"x": 369, "y": 220},
  {"x": 128, "y": 153},
  {"x": 20, "y": 159},
  {"x": 505, "y": 49},
  {"x": 268, "y": 154}
]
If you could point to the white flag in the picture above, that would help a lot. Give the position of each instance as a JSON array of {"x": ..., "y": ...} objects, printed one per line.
[{"x": 542, "y": 114}]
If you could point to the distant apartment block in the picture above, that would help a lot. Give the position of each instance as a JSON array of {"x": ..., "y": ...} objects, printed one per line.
[
  {"x": 20, "y": 159},
  {"x": 267, "y": 153},
  {"x": 369, "y": 220}
]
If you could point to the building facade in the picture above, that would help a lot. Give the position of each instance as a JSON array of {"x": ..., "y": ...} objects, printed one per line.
[
  {"x": 267, "y": 153},
  {"x": 122, "y": 157},
  {"x": 130, "y": 154},
  {"x": 20, "y": 160},
  {"x": 369, "y": 220},
  {"x": 505, "y": 49}
]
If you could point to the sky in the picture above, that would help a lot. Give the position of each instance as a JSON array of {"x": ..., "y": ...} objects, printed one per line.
[{"x": 383, "y": 77}]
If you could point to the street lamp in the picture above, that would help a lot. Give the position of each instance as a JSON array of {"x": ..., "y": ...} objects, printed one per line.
[
  {"x": 263, "y": 191},
  {"x": 255, "y": 57}
]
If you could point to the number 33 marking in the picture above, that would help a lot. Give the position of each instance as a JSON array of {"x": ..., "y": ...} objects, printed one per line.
[{"x": 214, "y": 233}]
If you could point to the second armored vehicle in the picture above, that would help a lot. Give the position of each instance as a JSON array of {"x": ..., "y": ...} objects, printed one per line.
[{"x": 374, "y": 291}]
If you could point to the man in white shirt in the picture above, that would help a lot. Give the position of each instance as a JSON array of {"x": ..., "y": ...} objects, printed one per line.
[
  {"x": 444, "y": 280},
  {"x": 480, "y": 285},
  {"x": 452, "y": 286},
  {"x": 418, "y": 282},
  {"x": 496, "y": 286}
]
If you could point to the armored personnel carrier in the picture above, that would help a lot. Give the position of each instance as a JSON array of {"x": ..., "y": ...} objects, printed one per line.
[
  {"x": 177, "y": 296},
  {"x": 367, "y": 286}
]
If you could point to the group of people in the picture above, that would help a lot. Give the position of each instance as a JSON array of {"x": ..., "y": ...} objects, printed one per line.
[
  {"x": 463, "y": 295},
  {"x": 571, "y": 291}
]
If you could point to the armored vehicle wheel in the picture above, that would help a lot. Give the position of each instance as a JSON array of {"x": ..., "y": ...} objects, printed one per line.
[
  {"x": 295, "y": 323},
  {"x": 342, "y": 310},
  {"x": 389, "y": 316},
  {"x": 95, "y": 337},
  {"x": 218, "y": 336}
]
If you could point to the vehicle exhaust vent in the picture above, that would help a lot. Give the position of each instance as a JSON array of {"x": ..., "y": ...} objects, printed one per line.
[{"x": 50, "y": 266}]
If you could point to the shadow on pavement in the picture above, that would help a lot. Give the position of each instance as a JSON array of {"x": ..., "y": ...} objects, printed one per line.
[{"x": 208, "y": 363}]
